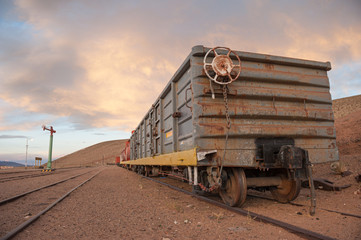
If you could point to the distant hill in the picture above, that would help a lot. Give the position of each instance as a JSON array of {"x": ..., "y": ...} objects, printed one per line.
[
  {"x": 11, "y": 164},
  {"x": 98, "y": 154},
  {"x": 345, "y": 106}
]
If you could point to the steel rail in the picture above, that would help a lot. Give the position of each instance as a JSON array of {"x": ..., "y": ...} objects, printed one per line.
[
  {"x": 301, "y": 205},
  {"x": 40, "y": 188},
  {"x": 13, "y": 178},
  {"x": 271, "y": 199},
  {"x": 25, "y": 171},
  {"x": 257, "y": 217},
  {"x": 22, "y": 226}
]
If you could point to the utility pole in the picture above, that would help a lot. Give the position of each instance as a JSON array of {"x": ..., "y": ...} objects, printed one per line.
[
  {"x": 48, "y": 167},
  {"x": 26, "y": 156}
]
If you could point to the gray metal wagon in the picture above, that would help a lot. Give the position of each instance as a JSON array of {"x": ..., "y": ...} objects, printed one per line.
[{"x": 231, "y": 120}]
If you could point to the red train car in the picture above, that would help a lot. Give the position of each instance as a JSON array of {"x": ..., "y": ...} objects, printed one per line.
[
  {"x": 125, "y": 154},
  {"x": 117, "y": 161}
]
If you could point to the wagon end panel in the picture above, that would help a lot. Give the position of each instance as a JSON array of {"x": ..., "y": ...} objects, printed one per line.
[{"x": 274, "y": 99}]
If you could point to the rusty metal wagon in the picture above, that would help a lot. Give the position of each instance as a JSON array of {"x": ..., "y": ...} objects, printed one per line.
[{"x": 229, "y": 121}]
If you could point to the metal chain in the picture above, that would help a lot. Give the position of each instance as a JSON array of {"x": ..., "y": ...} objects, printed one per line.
[
  {"x": 228, "y": 126},
  {"x": 228, "y": 119},
  {"x": 225, "y": 99},
  {"x": 205, "y": 189}
]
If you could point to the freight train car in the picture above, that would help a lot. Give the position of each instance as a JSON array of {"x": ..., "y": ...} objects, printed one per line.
[
  {"x": 231, "y": 120},
  {"x": 125, "y": 154}
]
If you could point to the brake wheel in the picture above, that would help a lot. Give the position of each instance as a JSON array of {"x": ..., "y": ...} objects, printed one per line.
[{"x": 222, "y": 70}]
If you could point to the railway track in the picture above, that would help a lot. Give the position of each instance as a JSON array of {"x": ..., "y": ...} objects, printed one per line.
[
  {"x": 273, "y": 200},
  {"x": 26, "y": 175},
  {"x": 13, "y": 178},
  {"x": 30, "y": 170},
  {"x": 30, "y": 218},
  {"x": 7, "y": 200},
  {"x": 302, "y": 205},
  {"x": 12, "y": 172},
  {"x": 302, "y": 232}
]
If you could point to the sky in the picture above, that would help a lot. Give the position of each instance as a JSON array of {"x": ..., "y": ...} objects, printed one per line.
[{"x": 92, "y": 69}]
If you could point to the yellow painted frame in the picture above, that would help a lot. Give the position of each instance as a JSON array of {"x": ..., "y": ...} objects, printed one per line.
[{"x": 183, "y": 158}]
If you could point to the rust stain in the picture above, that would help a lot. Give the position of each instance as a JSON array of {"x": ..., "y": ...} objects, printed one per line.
[
  {"x": 212, "y": 108},
  {"x": 330, "y": 131},
  {"x": 300, "y": 93},
  {"x": 301, "y": 76},
  {"x": 269, "y": 66}
]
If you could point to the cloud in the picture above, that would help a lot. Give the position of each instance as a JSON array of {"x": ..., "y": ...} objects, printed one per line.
[
  {"x": 348, "y": 80},
  {"x": 103, "y": 65},
  {"x": 11, "y": 136}
]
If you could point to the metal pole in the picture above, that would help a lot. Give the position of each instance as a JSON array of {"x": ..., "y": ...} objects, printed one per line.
[
  {"x": 50, "y": 151},
  {"x": 26, "y": 156},
  {"x": 51, "y": 129}
]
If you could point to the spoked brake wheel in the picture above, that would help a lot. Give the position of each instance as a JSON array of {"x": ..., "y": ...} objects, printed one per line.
[{"x": 222, "y": 70}]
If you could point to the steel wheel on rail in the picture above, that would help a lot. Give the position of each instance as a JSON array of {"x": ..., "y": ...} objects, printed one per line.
[
  {"x": 141, "y": 170},
  {"x": 185, "y": 175},
  {"x": 288, "y": 190},
  {"x": 234, "y": 189},
  {"x": 147, "y": 171}
]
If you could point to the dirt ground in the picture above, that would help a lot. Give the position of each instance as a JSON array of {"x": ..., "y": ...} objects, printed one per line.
[
  {"x": 119, "y": 204},
  {"x": 16, "y": 212}
]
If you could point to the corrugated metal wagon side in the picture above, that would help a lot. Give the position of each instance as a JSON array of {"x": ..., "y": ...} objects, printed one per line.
[
  {"x": 165, "y": 135},
  {"x": 231, "y": 120}
]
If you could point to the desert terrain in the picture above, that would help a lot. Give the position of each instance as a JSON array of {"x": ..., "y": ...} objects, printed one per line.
[{"x": 95, "y": 155}]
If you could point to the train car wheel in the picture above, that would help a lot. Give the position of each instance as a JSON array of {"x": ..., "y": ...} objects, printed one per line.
[
  {"x": 234, "y": 191},
  {"x": 287, "y": 191},
  {"x": 185, "y": 175},
  {"x": 147, "y": 171}
]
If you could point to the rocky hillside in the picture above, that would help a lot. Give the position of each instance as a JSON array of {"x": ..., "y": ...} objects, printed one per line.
[
  {"x": 345, "y": 106},
  {"x": 98, "y": 154},
  {"x": 347, "y": 113}
]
